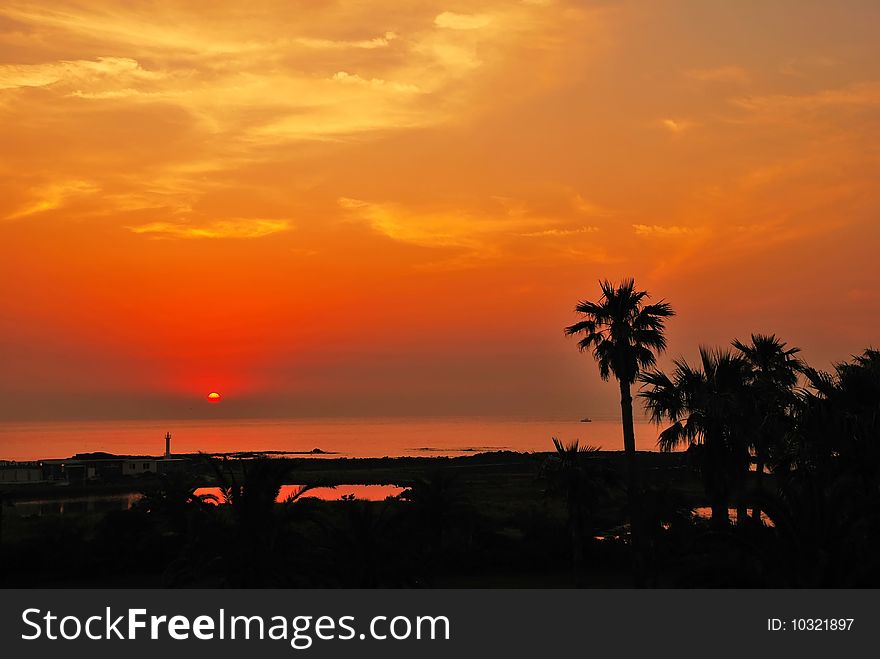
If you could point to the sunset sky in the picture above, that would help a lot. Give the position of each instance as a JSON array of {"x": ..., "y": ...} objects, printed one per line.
[{"x": 391, "y": 208}]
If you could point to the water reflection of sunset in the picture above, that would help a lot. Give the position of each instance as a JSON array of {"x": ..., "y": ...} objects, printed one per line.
[{"x": 337, "y": 493}]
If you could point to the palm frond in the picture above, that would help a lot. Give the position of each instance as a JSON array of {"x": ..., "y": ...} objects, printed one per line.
[
  {"x": 294, "y": 496},
  {"x": 623, "y": 333},
  {"x": 673, "y": 437}
]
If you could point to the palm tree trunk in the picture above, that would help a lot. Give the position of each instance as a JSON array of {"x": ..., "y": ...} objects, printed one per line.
[
  {"x": 629, "y": 435},
  {"x": 759, "y": 484},
  {"x": 742, "y": 513},
  {"x": 577, "y": 543},
  {"x": 744, "y": 477},
  {"x": 629, "y": 447},
  {"x": 720, "y": 516},
  {"x": 716, "y": 479}
]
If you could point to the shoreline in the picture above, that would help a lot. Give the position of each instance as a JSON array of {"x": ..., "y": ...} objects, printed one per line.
[{"x": 330, "y": 470}]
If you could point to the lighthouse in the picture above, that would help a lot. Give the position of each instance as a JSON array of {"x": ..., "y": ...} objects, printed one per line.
[{"x": 167, "y": 444}]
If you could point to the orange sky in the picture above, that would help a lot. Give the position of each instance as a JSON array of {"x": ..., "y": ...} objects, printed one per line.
[{"x": 342, "y": 208}]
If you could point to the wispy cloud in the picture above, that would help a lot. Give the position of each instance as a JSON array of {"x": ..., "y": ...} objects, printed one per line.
[
  {"x": 558, "y": 233},
  {"x": 588, "y": 207},
  {"x": 676, "y": 125},
  {"x": 454, "y": 21},
  {"x": 735, "y": 74},
  {"x": 426, "y": 229},
  {"x": 780, "y": 106},
  {"x": 131, "y": 26},
  {"x": 450, "y": 228},
  {"x": 333, "y": 44},
  {"x": 664, "y": 231},
  {"x": 376, "y": 83},
  {"x": 231, "y": 228},
  {"x": 74, "y": 72},
  {"x": 274, "y": 88},
  {"x": 52, "y": 196}
]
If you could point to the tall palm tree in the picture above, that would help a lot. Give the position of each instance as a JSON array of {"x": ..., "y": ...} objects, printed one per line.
[
  {"x": 774, "y": 375},
  {"x": 624, "y": 333},
  {"x": 708, "y": 407}
]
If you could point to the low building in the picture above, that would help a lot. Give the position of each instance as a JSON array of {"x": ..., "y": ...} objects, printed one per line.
[
  {"x": 92, "y": 467},
  {"x": 106, "y": 467},
  {"x": 21, "y": 472}
]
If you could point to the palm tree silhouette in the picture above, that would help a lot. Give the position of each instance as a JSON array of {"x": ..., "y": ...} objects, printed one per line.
[
  {"x": 364, "y": 544},
  {"x": 708, "y": 410},
  {"x": 624, "y": 334},
  {"x": 819, "y": 522},
  {"x": 438, "y": 501},
  {"x": 174, "y": 499},
  {"x": 838, "y": 419},
  {"x": 251, "y": 487},
  {"x": 774, "y": 375}
]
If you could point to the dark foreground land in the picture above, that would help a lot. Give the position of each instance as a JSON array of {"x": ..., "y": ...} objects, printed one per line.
[{"x": 492, "y": 520}]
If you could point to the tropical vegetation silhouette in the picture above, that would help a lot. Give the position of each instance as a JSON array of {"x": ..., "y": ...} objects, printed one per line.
[
  {"x": 581, "y": 477},
  {"x": 624, "y": 333},
  {"x": 767, "y": 475}
]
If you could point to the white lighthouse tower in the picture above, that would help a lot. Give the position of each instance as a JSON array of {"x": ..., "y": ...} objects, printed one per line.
[{"x": 167, "y": 444}]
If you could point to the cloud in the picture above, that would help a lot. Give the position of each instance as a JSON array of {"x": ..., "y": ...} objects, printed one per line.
[
  {"x": 454, "y": 21},
  {"x": 366, "y": 44},
  {"x": 676, "y": 125},
  {"x": 856, "y": 95},
  {"x": 805, "y": 66},
  {"x": 232, "y": 228},
  {"x": 429, "y": 230},
  {"x": 376, "y": 83},
  {"x": 130, "y": 26},
  {"x": 53, "y": 195},
  {"x": 473, "y": 238},
  {"x": 556, "y": 233},
  {"x": 588, "y": 207},
  {"x": 251, "y": 83},
  {"x": 437, "y": 228},
  {"x": 663, "y": 231},
  {"x": 13, "y": 76},
  {"x": 735, "y": 74}
]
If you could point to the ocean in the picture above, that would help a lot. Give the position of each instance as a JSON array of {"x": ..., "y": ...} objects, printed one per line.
[{"x": 361, "y": 437}]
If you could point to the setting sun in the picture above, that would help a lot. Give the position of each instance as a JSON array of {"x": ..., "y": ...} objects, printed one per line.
[{"x": 214, "y": 397}]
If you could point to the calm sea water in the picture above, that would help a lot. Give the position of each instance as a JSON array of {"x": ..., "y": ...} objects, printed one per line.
[
  {"x": 96, "y": 503},
  {"x": 346, "y": 437}
]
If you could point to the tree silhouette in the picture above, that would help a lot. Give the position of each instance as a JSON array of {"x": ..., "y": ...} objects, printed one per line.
[
  {"x": 774, "y": 375},
  {"x": 365, "y": 546},
  {"x": 708, "y": 409},
  {"x": 175, "y": 501},
  {"x": 250, "y": 554},
  {"x": 576, "y": 475},
  {"x": 624, "y": 333},
  {"x": 438, "y": 501},
  {"x": 838, "y": 420}
]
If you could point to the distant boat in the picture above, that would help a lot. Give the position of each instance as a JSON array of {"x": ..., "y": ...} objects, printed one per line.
[{"x": 586, "y": 419}]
